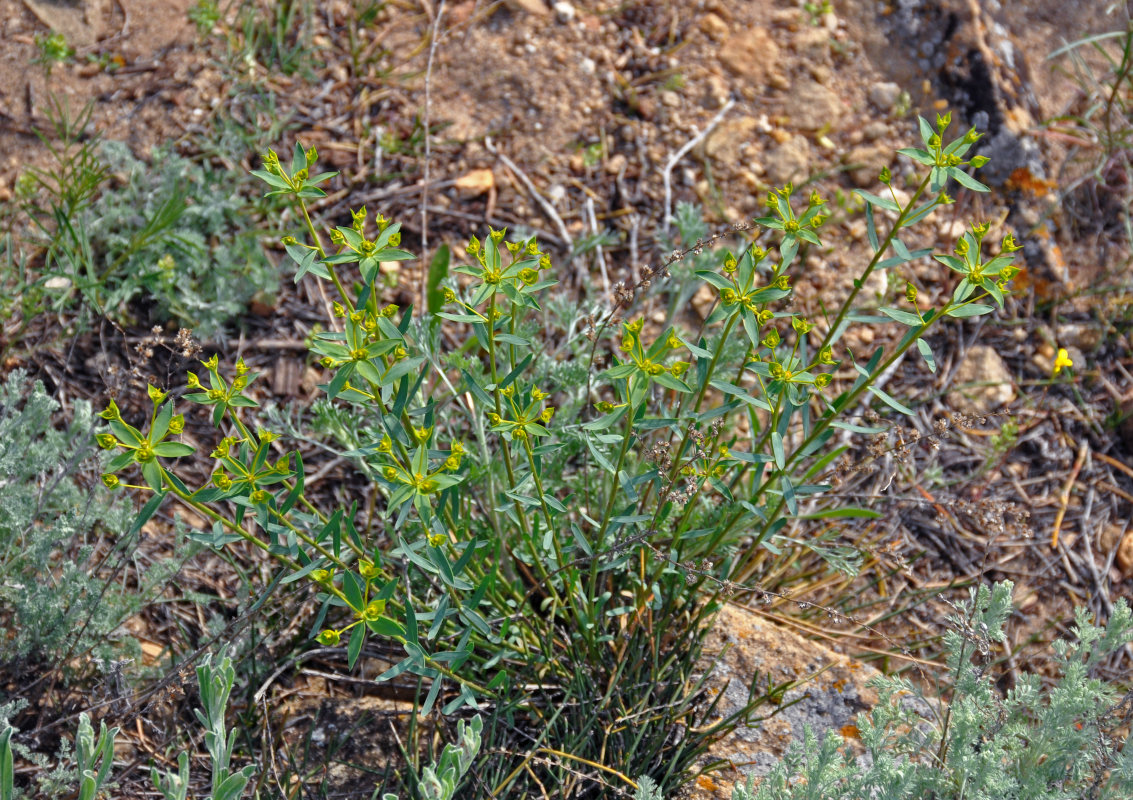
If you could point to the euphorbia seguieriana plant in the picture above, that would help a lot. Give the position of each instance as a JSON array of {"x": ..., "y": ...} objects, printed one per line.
[{"x": 499, "y": 516}]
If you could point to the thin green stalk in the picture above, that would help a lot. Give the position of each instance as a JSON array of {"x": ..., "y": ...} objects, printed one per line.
[
  {"x": 675, "y": 469},
  {"x": 885, "y": 244},
  {"x": 824, "y": 424},
  {"x": 322, "y": 252}
]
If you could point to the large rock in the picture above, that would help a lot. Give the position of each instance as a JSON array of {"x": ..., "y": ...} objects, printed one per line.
[
  {"x": 814, "y": 107},
  {"x": 751, "y": 55},
  {"x": 746, "y": 643},
  {"x": 789, "y": 161},
  {"x": 983, "y": 382}
]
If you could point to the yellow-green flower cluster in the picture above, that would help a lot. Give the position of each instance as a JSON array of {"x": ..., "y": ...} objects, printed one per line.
[
  {"x": 143, "y": 450},
  {"x": 525, "y": 414},
  {"x": 649, "y": 364},
  {"x": 220, "y": 394},
  {"x": 993, "y": 275},
  {"x": 243, "y": 468},
  {"x": 794, "y": 227},
  {"x": 521, "y": 274}
]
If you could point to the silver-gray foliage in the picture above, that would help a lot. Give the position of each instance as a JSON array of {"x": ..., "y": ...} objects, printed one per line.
[
  {"x": 439, "y": 782},
  {"x": 53, "y": 598},
  {"x": 1066, "y": 743}
]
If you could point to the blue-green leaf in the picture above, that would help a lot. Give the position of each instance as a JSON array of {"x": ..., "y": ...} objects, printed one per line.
[{"x": 926, "y": 354}]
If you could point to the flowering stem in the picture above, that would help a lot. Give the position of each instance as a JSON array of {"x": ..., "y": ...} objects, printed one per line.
[
  {"x": 820, "y": 426},
  {"x": 674, "y": 471},
  {"x": 860, "y": 282},
  {"x": 322, "y": 252}
]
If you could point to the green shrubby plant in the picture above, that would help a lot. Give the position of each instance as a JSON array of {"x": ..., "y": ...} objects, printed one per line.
[
  {"x": 215, "y": 685},
  {"x": 174, "y": 232},
  {"x": 1068, "y": 741},
  {"x": 87, "y": 762},
  {"x": 513, "y": 544}
]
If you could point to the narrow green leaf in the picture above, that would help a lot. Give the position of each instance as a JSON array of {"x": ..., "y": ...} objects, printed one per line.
[
  {"x": 904, "y": 317},
  {"x": 926, "y": 354},
  {"x": 871, "y": 227},
  {"x": 148, "y": 510},
  {"x": 173, "y": 449},
  {"x": 474, "y": 387},
  {"x": 966, "y": 180},
  {"x": 890, "y": 401},
  {"x": 880, "y": 202},
  {"x": 777, "y": 450},
  {"x": 970, "y": 310},
  {"x": 355, "y": 647},
  {"x": 843, "y": 513}
]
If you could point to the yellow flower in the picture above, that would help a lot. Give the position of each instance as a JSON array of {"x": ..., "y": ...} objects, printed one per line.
[
  {"x": 111, "y": 412},
  {"x": 329, "y": 638},
  {"x": 374, "y": 610},
  {"x": 1063, "y": 360}
]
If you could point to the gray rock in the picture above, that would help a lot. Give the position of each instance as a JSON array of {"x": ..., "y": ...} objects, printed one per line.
[
  {"x": 814, "y": 107},
  {"x": 983, "y": 382},
  {"x": 789, "y": 161},
  {"x": 830, "y": 701},
  {"x": 884, "y": 95}
]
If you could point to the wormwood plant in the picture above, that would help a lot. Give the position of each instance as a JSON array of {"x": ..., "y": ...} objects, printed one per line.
[
  {"x": 156, "y": 235},
  {"x": 515, "y": 552},
  {"x": 59, "y": 600},
  {"x": 93, "y": 759},
  {"x": 1033, "y": 744}
]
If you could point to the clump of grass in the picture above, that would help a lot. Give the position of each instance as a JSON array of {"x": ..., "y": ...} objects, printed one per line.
[{"x": 1100, "y": 130}]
